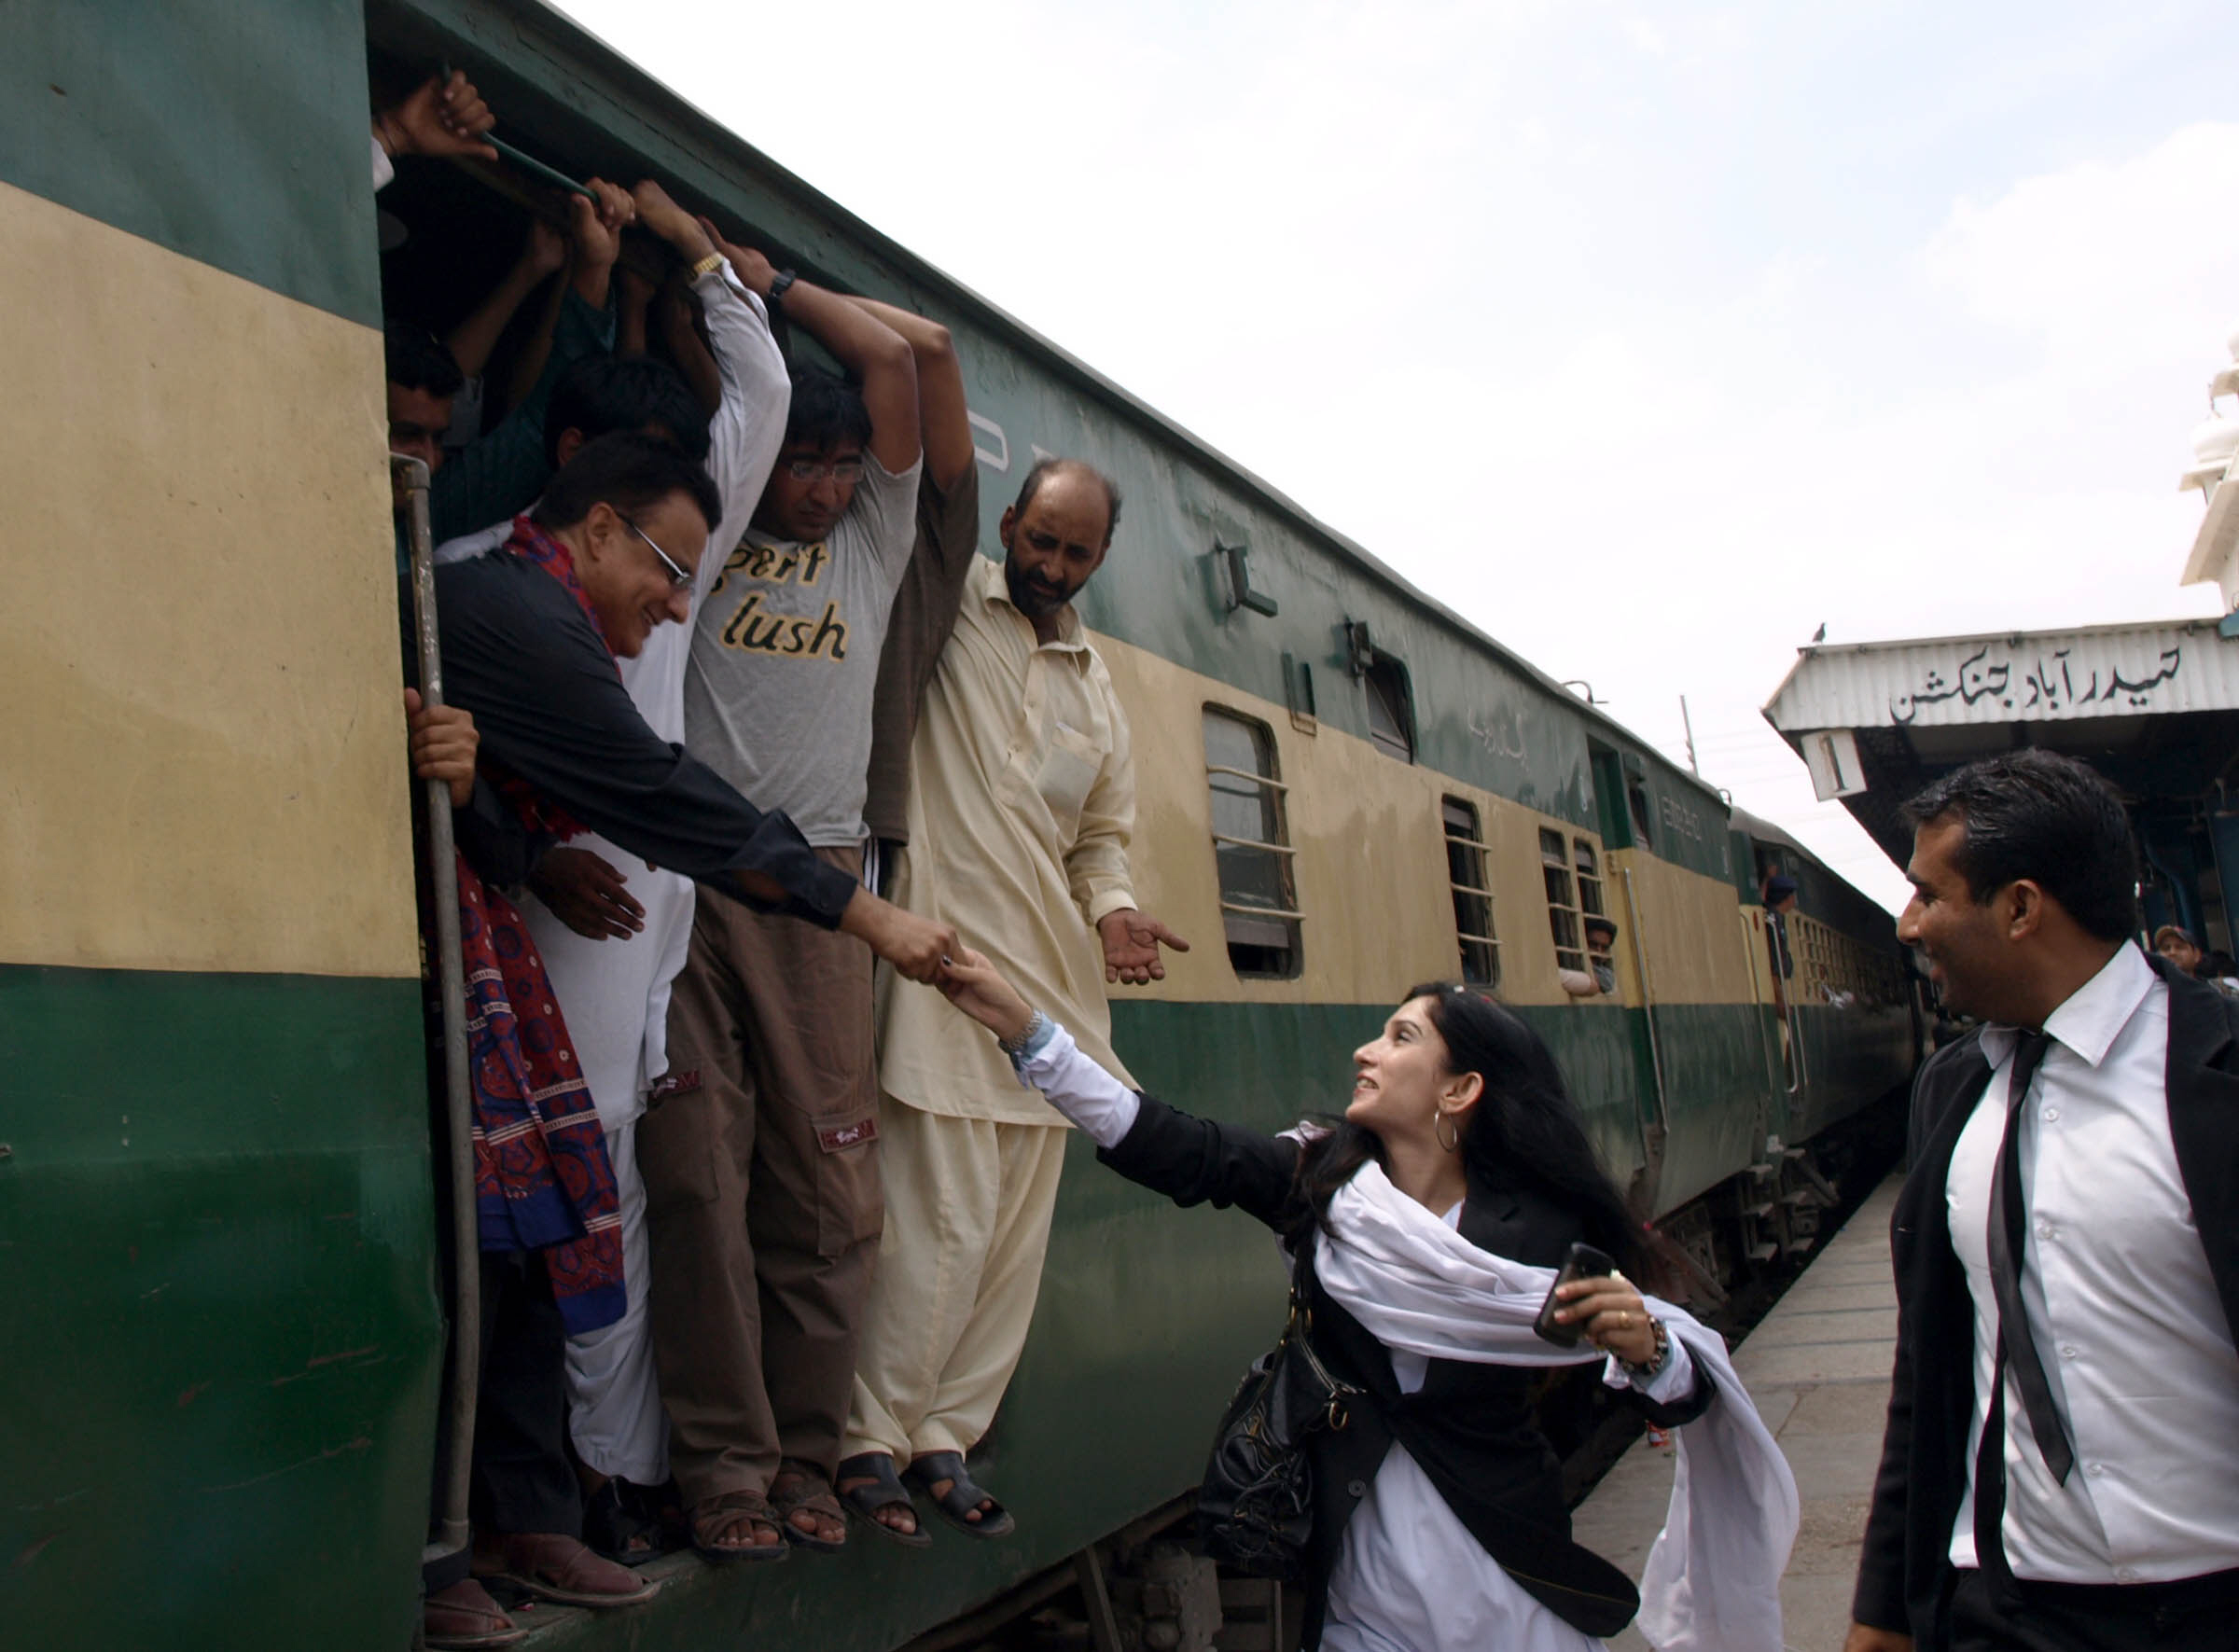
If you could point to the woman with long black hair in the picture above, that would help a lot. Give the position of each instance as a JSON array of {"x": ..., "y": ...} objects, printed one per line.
[{"x": 1426, "y": 1227}]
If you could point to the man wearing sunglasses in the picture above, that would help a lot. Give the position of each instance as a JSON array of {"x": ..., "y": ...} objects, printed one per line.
[{"x": 760, "y": 1149}]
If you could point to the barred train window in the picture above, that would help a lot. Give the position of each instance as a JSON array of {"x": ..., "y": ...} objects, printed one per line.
[
  {"x": 1472, "y": 894},
  {"x": 1590, "y": 893},
  {"x": 1562, "y": 905},
  {"x": 1251, "y": 849}
]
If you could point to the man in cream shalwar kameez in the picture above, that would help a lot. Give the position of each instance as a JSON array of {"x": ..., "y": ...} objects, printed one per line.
[{"x": 1021, "y": 806}]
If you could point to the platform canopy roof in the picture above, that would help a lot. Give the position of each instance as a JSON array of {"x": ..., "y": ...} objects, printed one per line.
[{"x": 2155, "y": 707}]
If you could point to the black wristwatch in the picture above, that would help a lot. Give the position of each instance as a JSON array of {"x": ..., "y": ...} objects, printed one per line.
[{"x": 783, "y": 279}]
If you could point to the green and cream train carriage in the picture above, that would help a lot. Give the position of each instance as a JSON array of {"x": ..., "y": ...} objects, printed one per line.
[{"x": 217, "y": 1247}]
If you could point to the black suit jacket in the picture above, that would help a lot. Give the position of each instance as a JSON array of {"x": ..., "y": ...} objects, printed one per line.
[
  {"x": 1470, "y": 1427},
  {"x": 1905, "y": 1567}
]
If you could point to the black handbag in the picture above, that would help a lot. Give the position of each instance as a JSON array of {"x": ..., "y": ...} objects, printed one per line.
[{"x": 1255, "y": 1511}]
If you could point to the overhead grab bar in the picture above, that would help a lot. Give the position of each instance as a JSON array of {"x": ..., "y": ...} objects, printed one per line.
[{"x": 528, "y": 163}]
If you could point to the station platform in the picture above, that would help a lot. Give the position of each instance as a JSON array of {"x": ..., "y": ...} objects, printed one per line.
[{"x": 1818, "y": 1368}]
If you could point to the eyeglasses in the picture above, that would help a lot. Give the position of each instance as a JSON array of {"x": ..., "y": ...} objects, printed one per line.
[
  {"x": 679, "y": 575},
  {"x": 840, "y": 470}
]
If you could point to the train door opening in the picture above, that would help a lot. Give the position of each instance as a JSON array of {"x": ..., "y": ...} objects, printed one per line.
[
  {"x": 1620, "y": 811},
  {"x": 1780, "y": 957}
]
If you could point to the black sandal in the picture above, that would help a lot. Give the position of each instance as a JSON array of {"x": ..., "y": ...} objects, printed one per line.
[
  {"x": 886, "y": 1491},
  {"x": 618, "y": 1528},
  {"x": 963, "y": 1499}
]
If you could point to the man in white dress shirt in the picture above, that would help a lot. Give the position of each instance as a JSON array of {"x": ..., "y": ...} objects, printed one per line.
[{"x": 2061, "y": 1467}]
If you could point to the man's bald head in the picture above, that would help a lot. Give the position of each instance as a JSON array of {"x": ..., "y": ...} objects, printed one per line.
[{"x": 1074, "y": 470}]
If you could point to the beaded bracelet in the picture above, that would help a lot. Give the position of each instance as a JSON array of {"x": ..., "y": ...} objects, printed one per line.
[{"x": 1647, "y": 1368}]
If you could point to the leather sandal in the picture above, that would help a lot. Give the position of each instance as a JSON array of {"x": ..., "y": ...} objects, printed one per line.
[
  {"x": 464, "y": 1618},
  {"x": 886, "y": 1491},
  {"x": 553, "y": 1566},
  {"x": 712, "y": 1514},
  {"x": 963, "y": 1499},
  {"x": 809, "y": 1490}
]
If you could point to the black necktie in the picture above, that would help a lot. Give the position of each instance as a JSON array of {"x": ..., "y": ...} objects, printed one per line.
[{"x": 2009, "y": 1221}]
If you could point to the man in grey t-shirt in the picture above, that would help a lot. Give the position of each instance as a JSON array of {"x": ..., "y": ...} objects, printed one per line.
[{"x": 758, "y": 1146}]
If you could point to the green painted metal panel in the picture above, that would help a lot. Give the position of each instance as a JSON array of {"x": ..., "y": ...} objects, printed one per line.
[
  {"x": 1851, "y": 1057},
  {"x": 233, "y": 1298},
  {"x": 1716, "y": 1095},
  {"x": 215, "y": 1250},
  {"x": 233, "y": 131}
]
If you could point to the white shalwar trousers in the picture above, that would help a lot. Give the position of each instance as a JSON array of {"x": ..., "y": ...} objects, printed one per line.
[
  {"x": 615, "y": 996},
  {"x": 968, "y": 1203}
]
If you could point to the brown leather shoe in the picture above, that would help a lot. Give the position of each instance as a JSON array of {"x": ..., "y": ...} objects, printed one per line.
[
  {"x": 558, "y": 1568},
  {"x": 463, "y": 1617}
]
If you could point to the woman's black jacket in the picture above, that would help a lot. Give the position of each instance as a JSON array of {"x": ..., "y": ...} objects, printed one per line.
[{"x": 1470, "y": 1427}]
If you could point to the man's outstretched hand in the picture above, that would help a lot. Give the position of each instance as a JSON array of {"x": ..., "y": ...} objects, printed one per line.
[{"x": 1130, "y": 946}]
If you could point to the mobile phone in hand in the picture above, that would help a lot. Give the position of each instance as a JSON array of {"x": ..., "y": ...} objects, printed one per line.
[{"x": 1584, "y": 1262}]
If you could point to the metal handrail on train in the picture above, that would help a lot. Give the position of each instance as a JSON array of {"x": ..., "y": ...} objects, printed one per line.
[
  {"x": 458, "y": 1112},
  {"x": 1648, "y": 997}
]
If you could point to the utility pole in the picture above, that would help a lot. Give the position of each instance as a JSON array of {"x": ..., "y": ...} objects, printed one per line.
[{"x": 1689, "y": 724}]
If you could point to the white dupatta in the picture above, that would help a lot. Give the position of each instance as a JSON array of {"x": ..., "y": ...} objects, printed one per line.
[{"x": 1712, "y": 1583}]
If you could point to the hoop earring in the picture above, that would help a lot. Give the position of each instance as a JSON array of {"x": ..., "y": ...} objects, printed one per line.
[{"x": 1438, "y": 1126}]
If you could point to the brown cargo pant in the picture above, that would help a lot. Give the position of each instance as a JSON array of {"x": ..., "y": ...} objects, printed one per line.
[{"x": 763, "y": 1205}]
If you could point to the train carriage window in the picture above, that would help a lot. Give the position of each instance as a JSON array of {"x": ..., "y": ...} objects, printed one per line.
[
  {"x": 1466, "y": 869},
  {"x": 1391, "y": 707},
  {"x": 1590, "y": 879},
  {"x": 1562, "y": 905},
  {"x": 1251, "y": 848},
  {"x": 1637, "y": 800},
  {"x": 1590, "y": 892}
]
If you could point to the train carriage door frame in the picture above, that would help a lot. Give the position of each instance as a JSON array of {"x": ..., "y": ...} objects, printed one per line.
[
  {"x": 1622, "y": 808},
  {"x": 1780, "y": 940}
]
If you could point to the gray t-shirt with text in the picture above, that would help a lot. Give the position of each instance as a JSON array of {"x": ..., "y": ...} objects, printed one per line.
[{"x": 785, "y": 662}]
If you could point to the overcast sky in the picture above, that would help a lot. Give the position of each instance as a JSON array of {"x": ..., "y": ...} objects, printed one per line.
[{"x": 1649, "y": 337}]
